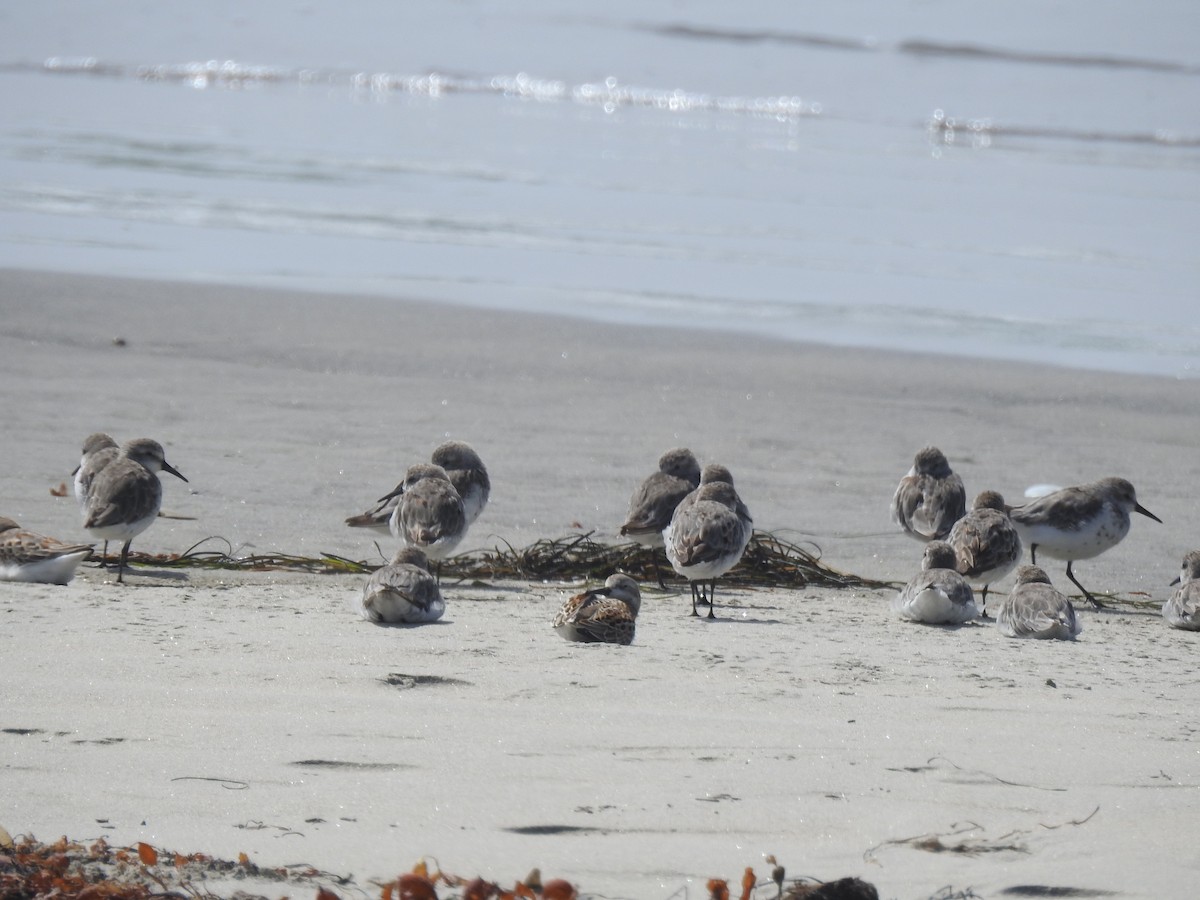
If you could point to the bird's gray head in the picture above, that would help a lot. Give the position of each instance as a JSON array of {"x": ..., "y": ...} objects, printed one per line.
[
  {"x": 990, "y": 500},
  {"x": 150, "y": 453},
  {"x": 422, "y": 471},
  {"x": 1123, "y": 494},
  {"x": 715, "y": 472},
  {"x": 413, "y": 556},
  {"x": 931, "y": 461},
  {"x": 456, "y": 455},
  {"x": 1032, "y": 575},
  {"x": 718, "y": 491},
  {"x": 622, "y": 587},
  {"x": 1190, "y": 571},
  {"x": 681, "y": 463},
  {"x": 939, "y": 555},
  {"x": 98, "y": 441}
]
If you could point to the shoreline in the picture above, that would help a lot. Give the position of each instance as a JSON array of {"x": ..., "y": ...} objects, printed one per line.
[
  {"x": 642, "y": 320},
  {"x": 810, "y": 724}
]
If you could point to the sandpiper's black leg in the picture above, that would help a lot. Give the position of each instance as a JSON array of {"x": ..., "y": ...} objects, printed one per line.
[
  {"x": 658, "y": 572},
  {"x": 712, "y": 598},
  {"x": 1096, "y": 604},
  {"x": 693, "y": 585},
  {"x": 983, "y": 603},
  {"x": 121, "y": 564},
  {"x": 1033, "y": 554}
]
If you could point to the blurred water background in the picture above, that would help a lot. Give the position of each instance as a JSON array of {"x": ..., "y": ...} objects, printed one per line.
[{"x": 1011, "y": 180}]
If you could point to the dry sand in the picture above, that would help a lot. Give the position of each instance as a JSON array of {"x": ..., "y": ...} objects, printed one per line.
[{"x": 232, "y": 712}]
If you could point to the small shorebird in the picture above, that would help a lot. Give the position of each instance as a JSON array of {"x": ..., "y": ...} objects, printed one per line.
[
  {"x": 430, "y": 514},
  {"x": 1036, "y": 609},
  {"x": 711, "y": 474},
  {"x": 1078, "y": 522},
  {"x": 654, "y": 501},
  {"x": 707, "y": 538},
  {"x": 402, "y": 591},
  {"x": 29, "y": 556},
  {"x": 99, "y": 449},
  {"x": 125, "y": 495},
  {"x": 986, "y": 543},
  {"x": 937, "y": 595},
  {"x": 467, "y": 473},
  {"x": 602, "y": 616},
  {"x": 1182, "y": 610},
  {"x": 930, "y": 498}
]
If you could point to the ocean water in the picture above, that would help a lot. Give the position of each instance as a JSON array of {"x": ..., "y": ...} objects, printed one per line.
[{"x": 1015, "y": 180}]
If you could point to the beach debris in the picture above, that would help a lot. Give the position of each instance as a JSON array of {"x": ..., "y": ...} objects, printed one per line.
[
  {"x": 841, "y": 889},
  {"x": 478, "y": 889},
  {"x": 410, "y": 886},
  {"x": 74, "y": 870},
  {"x": 420, "y": 884},
  {"x": 71, "y": 870},
  {"x": 769, "y": 561},
  {"x": 973, "y": 846},
  {"x": 748, "y": 883},
  {"x": 60, "y": 491}
]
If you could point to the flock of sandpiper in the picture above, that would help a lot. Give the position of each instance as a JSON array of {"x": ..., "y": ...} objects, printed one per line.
[
  {"x": 695, "y": 515},
  {"x": 985, "y": 544}
]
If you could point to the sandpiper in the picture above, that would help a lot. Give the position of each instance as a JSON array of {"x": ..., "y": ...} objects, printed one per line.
[
  {"x": 602, "y": 616},
  {"x": 654, "y": 501},
  {"x": 1078, "y": 522},
  {"x": 430, "y": 514},
  {"x": 707, "y": 538},
  {"x": 402, "y": 592},
  {"x": 125, "y": 495},
  {"x": 930, "y": 498},
  {"x": 711, "y": 474},
  {"x": 467, "y": 473},
  {"x": 99, "y": 449},
  {"x": 937, "y": 595},
  {"x": 986, "y": 543},
  {"x": 1182, "y": 609},
  {"x": 29, "y": 556},
  {"x": 1036, "y": 609}
]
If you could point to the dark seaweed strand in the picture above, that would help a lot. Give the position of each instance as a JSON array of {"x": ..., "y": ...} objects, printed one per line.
[{"x": 769, "y": 561}]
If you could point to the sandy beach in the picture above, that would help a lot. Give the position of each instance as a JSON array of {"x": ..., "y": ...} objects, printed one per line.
[{"x": 230, "y": 712}]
